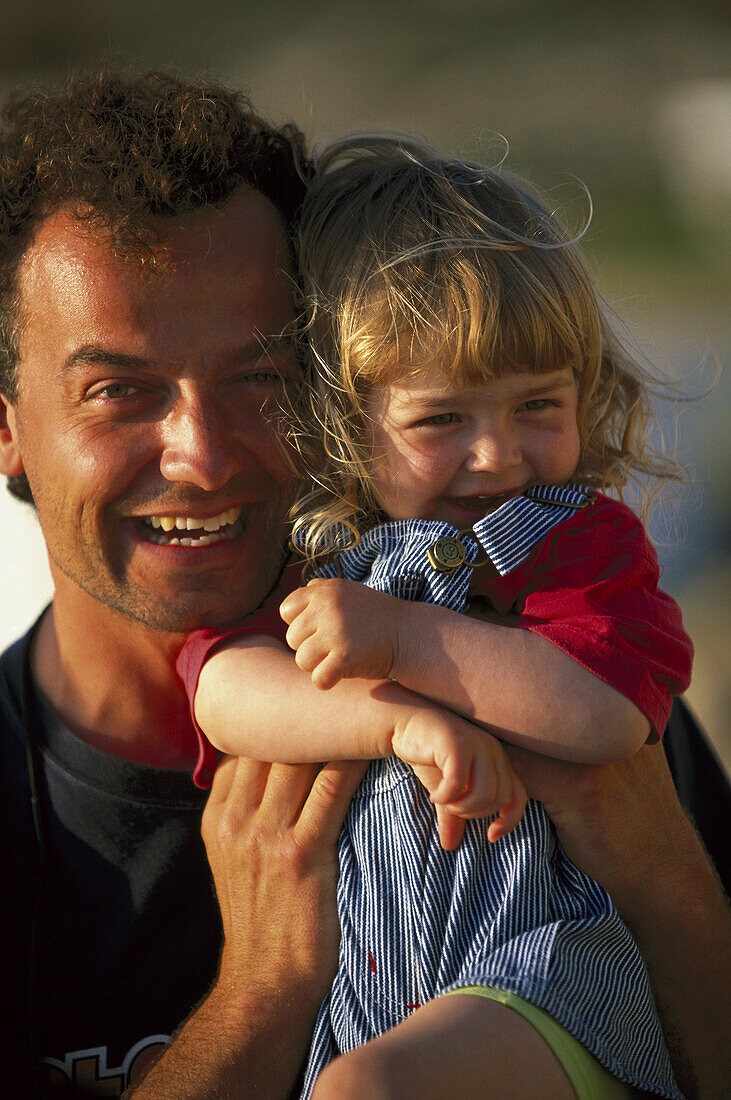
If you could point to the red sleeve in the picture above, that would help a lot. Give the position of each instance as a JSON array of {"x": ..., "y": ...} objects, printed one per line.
[
  {"x": 591, "y": 588},
  {"x": 199, "y": 646}
]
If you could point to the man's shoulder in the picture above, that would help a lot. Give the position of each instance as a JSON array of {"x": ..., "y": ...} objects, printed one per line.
[
  {"x": 14, "y": 684},
  {"x": 12, "y": 654},
  {"x": 15, "y": 811},
  {"x": 12, "y": 664}
]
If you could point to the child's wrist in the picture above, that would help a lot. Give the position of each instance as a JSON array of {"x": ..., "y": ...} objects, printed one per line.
[{"x": 404, "y": 641}]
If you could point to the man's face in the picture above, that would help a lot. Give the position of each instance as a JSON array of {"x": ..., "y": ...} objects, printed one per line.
[{"x": 139, "y": 409}]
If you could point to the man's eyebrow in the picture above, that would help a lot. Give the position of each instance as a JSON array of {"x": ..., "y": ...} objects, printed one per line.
[
  {"x": 263, "y": 345},
  {"x": 97, "y": 355}
]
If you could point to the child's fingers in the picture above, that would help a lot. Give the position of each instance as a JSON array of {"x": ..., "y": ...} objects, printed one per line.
[
  {"x": 456, "y": 769},
  {"x": 294, "y": 604},
  {"x": 297, "y": 632},
  {"x": 310, "y": 653},
  {"x": 492, "y": 785},
  {"x": 510, "y": 814},
  {"x": 450, "y": 829},
  {"x": 486, "y": 791},
  {"x": 327, "y": 674}
]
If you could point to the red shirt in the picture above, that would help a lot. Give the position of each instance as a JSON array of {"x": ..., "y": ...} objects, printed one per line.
[
  {"x": 200, "y": 644},
  {"x": 590, "y": 587}
]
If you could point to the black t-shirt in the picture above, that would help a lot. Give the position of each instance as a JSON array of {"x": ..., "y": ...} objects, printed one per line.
[
  {"x": 126, "y": 931},
  {"x": 121, "y": 941}
]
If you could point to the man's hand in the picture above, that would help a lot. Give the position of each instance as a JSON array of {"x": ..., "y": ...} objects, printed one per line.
[
  {"x": 464, "y": 768},
  {"x": 271, "y": 835},
  {"x": 612, "y": 819},
  {"x": 341, "y": 629}
]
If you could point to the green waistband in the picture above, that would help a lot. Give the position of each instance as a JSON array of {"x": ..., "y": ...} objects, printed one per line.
[{"x": 589, "y": 1079}]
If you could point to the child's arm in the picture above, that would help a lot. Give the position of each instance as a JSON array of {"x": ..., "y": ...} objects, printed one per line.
[
  {"x": 524, "y": 688},
  {"x": 252, "y": 700}
]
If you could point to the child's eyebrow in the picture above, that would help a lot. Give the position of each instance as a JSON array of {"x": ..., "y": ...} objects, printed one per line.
[
  {"x": 435, "y": 398},
  {"x": 429, "y": 401},
  {"x": 548, "y": 387}
]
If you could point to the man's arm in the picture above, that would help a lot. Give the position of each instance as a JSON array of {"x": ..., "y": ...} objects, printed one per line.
[
  {"x": 271, "y": 834},
  {"x": 623, "y": 825}
]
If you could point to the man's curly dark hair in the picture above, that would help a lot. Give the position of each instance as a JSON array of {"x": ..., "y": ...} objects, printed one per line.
[{"x": 122, "y": 151}]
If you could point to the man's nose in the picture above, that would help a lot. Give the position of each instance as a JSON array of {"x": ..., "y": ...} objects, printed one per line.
[
  {"x": 494, "y": 450},
  {"x": 197, "y": 448}
]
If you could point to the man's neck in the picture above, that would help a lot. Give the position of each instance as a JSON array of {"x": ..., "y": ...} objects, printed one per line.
[{"x": 112, "y": 682}]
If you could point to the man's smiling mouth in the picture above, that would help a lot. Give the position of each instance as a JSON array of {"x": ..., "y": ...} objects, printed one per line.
[{"x": 191, "y": 530}]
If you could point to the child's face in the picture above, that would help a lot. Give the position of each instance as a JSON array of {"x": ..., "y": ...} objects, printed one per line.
[{"x": 454, "y": 454}]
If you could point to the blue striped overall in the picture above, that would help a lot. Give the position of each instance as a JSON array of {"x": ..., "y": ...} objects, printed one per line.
[{"x": 517, "y": 915}]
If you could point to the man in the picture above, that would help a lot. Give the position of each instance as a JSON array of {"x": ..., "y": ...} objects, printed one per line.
[
  {"x": 145, "y": 297},
  {"x": 158, "y": 326}
]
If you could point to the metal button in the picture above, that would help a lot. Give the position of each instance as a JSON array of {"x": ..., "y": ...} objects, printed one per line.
[{"x": 446, "y": 554}]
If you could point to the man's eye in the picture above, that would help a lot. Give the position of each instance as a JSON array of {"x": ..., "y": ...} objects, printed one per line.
[
  {"x": 260, "y": 378},
  {"x": 536, "y": 404},
  {"x": 116, "y": 390}
]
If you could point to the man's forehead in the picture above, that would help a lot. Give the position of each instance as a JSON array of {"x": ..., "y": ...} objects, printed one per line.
[
  {"x": 246, "y": 230},
  {"x": 228, "y": 286}
]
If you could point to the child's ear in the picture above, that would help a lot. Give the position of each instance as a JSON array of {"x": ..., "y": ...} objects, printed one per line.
[{"x": 11, "y": 464}]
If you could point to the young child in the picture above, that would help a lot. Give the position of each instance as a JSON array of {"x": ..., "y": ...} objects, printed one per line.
[{"x": 461, "y": 375}]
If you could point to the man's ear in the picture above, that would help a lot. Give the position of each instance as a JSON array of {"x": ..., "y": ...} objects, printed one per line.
[{"x": 11, "y": 464}]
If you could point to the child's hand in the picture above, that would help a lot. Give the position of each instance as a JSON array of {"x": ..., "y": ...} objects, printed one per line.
[
  {"x": 466, "y": 771},
  {"x": 340, "y": 629}
]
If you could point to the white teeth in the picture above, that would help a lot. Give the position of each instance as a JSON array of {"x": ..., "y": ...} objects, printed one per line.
[
  {"x": 212, "y": 525},
  {"x": 204, "y": 540},
  {"x": 194, "y": 523}
]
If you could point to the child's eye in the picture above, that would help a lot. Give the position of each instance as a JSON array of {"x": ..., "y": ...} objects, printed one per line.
[
  {"x": 437, "y": 420},
  {"x": 536, "y": 404}
]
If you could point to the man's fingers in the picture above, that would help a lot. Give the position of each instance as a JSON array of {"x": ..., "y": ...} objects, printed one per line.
[
  {"x": 327, "y": 803},
  {"x": 239, "y": 778},
  {"x": 312, "y": 800},
  {"x": 287, "y": 788}
]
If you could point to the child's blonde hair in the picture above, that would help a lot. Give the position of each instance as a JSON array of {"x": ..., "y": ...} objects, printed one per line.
[{"x": 410, "y": 259}]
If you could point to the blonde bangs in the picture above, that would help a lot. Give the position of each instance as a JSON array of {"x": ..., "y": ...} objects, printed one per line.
[{"x": 474, "y": 313}]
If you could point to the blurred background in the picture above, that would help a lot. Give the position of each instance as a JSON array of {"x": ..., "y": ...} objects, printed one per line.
[{"x": 633, "y": 99}]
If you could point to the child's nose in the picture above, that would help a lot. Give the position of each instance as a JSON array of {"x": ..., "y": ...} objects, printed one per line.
[{"x": 493, "y": 452}]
